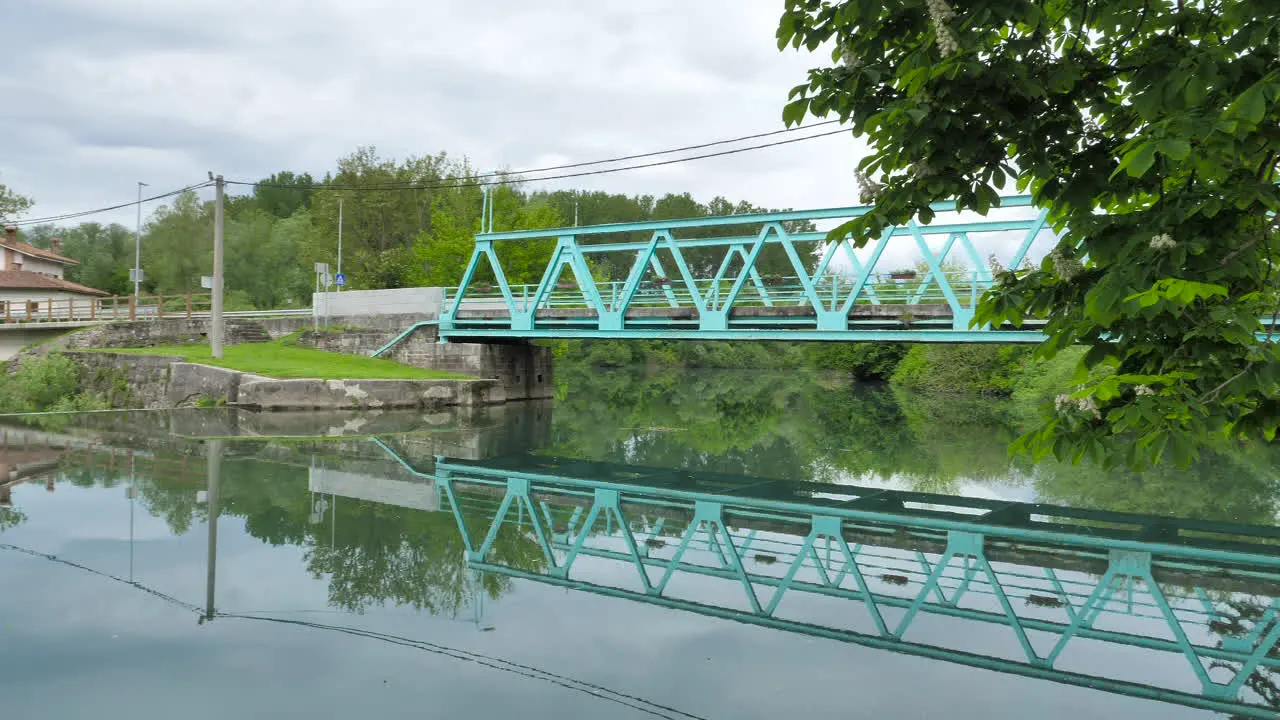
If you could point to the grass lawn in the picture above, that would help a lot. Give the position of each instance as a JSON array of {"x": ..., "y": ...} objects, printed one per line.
[{"x": 282, "y": 360}]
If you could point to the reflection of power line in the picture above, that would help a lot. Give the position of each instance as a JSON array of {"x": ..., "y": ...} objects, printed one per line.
[
  {"x": 495, "y": 663},
  {"x": 598, "y": 691},
  {"x": 71, "y": 563}
]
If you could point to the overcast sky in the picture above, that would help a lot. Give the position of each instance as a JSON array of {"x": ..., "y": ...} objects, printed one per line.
[{"x": 99, "y": 94}]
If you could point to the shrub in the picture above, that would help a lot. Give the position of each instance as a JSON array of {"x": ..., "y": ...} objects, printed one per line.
[
  {"x": 45, "y": 383},
  {"x": 863, "y": 361},
  {"x": 609, "y": 354},
  {"x": 984, "y": 369}
]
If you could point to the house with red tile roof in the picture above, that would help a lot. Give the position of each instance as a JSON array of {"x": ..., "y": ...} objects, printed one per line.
[{"x": 30, "y": 276}]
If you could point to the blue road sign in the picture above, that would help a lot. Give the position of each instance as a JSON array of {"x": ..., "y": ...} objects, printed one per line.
[{"x": 340, "y": 279}]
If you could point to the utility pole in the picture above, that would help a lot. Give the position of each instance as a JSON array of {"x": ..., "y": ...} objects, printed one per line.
[
  {"x": 137, "y": 247},
  {"x": 340, "y": 240},
  {"x": 215, "y": 309}
]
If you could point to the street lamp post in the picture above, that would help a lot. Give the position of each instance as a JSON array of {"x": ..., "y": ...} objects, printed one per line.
[{"x": 137, "y": 247}]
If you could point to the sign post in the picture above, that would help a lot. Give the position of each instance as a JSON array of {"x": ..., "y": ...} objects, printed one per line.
[{"x": 323, "y": 280}]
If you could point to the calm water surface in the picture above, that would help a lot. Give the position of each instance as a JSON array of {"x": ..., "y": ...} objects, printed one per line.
[{"x": 336, "y": 580}]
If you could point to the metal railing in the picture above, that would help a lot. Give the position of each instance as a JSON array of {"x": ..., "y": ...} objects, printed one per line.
[{"x": 124, "y": 307}]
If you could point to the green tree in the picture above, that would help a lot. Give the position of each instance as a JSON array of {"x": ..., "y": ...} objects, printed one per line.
[
  {"x": 444, "y": 251},
  {"x": 1151, "y": 131},
  {"x": 263, "y": 258},
  {"x": 284, "y": 193},
  {"x": 178, "y": 247},
  {"x": 12, "y": 204},
  {"x": 105, "y": 254},
  {"x": 385, "y": 205}
]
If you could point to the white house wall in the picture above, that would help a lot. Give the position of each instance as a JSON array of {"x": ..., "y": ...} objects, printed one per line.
[
  {"x": 46, "y": 267},
  {"x": 30, "y": 264}
]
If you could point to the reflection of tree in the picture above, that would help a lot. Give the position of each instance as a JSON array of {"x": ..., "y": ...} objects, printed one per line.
[
  {"x": 382, "y": 553},
  {"x": 930, "y": 441},
  {"x": 373, "y": 553},
  {"x": 791, "y": 426},
  {"x": 1227, "y": 484},
  {"x": 1243, "y": 619},
  {"x": 801, "y": 426},
  {"x": 10, "y": 518},
  {"x": 723, "y": 422}
]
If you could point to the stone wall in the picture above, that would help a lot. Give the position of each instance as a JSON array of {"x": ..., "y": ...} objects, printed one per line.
[
  {"x": 146, "y": 375},
  {"x": 178, "y": 331},
  {"x": 166, "y": 382}
]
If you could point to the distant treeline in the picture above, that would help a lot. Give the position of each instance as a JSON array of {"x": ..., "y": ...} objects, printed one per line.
[{"x": 1000, "y": 370}]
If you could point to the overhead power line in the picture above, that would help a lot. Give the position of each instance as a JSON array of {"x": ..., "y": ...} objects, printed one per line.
[
  {"x": 96, "y": 211},
  {"x": 623, "y": 158},
  {"x": 484, "y": 179},
  {"x": 509, "y": 178}
]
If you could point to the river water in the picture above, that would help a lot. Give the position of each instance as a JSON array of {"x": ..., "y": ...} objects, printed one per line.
[{"x": 388, "y": 565}]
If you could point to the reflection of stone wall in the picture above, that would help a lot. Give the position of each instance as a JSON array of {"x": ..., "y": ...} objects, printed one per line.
[
  {"x": 417, "y": 437},
  {"x": 493, "y": 432},
  {"x": 268, "y": 394}
]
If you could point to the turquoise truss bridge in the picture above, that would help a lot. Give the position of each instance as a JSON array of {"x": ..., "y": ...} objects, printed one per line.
[
  {"x": 763, "y": 276},
  {"x": 1177, "y": 611}
]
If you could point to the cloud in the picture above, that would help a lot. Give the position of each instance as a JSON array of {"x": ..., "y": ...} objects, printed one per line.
[{"x": 102, "y": 93}]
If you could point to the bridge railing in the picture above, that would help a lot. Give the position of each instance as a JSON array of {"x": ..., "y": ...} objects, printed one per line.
[
  {"x": 748, "y": 276},
  {"x": 773, "y": 291}
]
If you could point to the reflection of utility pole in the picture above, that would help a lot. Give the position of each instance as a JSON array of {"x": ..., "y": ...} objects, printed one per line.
[
  {"x": 215, "y": 467},
  {"x": 477, "y": 602},
  {"x": 133, "y": 493}
]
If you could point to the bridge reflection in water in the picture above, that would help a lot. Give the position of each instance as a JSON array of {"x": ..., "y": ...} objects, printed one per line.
[{"x": 1055, "y": 586}]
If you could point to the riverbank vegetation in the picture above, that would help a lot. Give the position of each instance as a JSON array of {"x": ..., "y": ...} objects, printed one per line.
[
  {"x": 995, "y": 370},
  {"x": 54, "y": 383}
]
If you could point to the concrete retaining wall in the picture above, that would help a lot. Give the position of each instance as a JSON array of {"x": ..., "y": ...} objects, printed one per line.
[
  {"x": 524, "y": 370},
  {"x": 402, "y": 301}
]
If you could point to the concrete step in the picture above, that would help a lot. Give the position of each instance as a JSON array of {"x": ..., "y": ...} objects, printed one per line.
[{"x": 246, "y": 331}]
